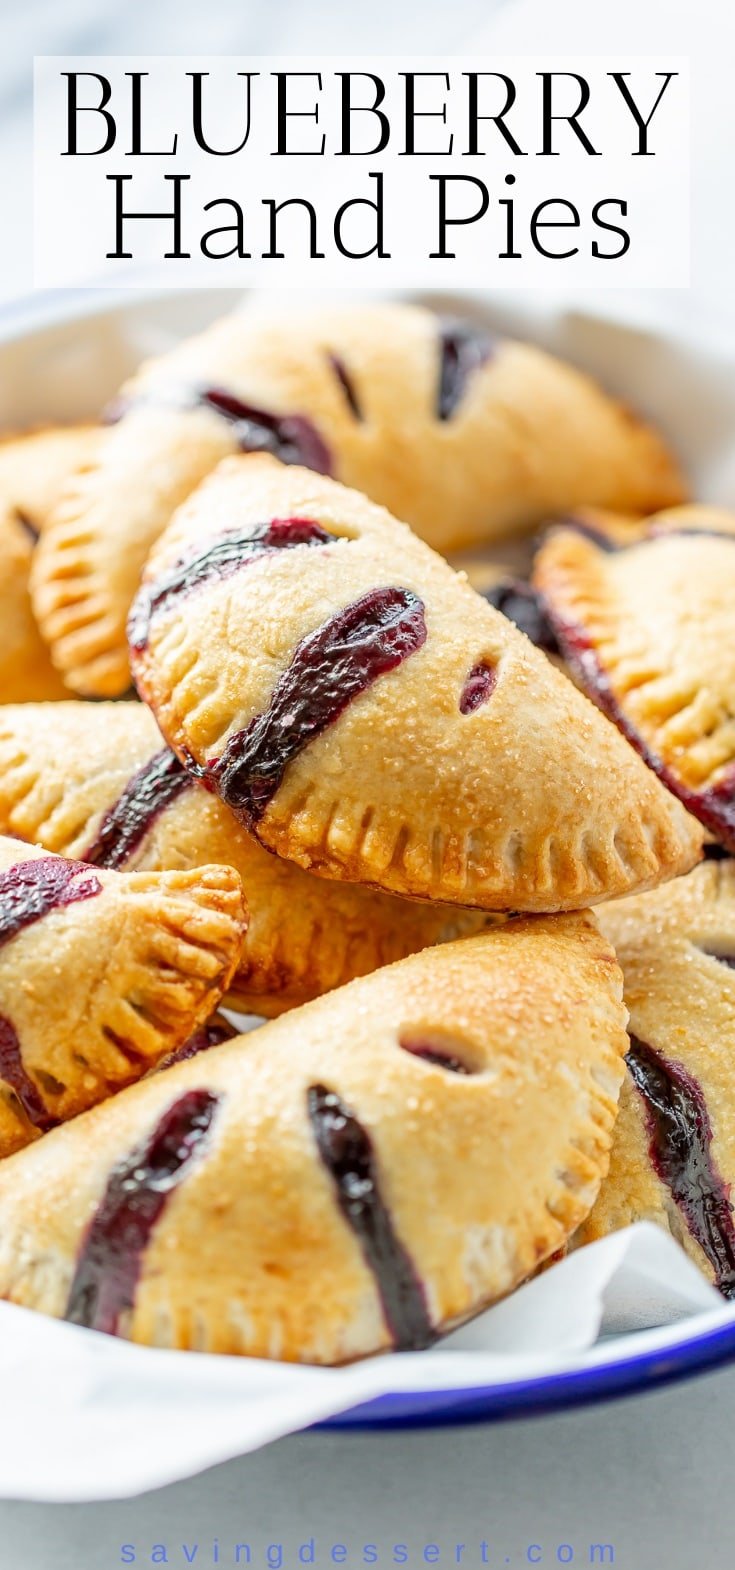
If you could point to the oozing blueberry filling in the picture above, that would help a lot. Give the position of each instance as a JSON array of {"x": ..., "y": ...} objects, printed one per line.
[
  {"x": 138, "y": 1189},
  {"x": 211, "y": 1035},
  {"x": 15, "y": 1074},
  {"x": 478, "y": 687},
  {"x": 221, "y": 559},
  {"x": 714, "y": 807},
  {"x": 463, "y": 349},
  {"x": 154, "y": 786},
  {"x": 680, "y": 1135},
  {"x": 291, "y": 437},
  {"x": 329, "y": 668},
  {"x": 31, "y": 889},
  {"x": 346, "y": 383},
  {"x": 346, "y": 1150},
  {"x": 522, "y": 605},
  {"x": 429, "y": 1052}
]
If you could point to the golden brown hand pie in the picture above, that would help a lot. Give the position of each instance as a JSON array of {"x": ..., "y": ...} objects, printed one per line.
[
  {"x": 371, "y": 718},
  {"x": 36, "y": 465},
  {"x": 673, "y": 1156},
  {"x": 101, "y": 975},
  {"x": 647, "y": 630},
  {"x": 357, "y": 1176},
  {"x": 33, "y": 469},
  {"x": 96, "y": 781},
  {"x": 464, "y": 436}
]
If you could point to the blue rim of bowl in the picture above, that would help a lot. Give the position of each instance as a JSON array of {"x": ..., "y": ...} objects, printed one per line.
[{"x": 545, "y": 1393}]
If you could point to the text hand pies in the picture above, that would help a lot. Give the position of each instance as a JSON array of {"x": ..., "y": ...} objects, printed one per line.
[
  {"x": 647, "y": 630},
  {"x": 101, "y": 975},
  {"x": 464, "y": 436},
  {"x": 96, "y": 781},
  {"x": 33, "y": 469},
  {"x": 358, "y": 1176},
  {"x": 673, "y": 1156},
  {"x": 368, "y": 716}
]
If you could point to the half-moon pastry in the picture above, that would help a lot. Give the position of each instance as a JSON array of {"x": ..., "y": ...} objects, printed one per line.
[
  {"x": 370, "y": 717},
  {"x": 673, "y": 1156},
  {"x": 102, "y": 974},
  {"x": 96, "y": 781},
  {"x": 33, "y": 469},
  {"x": 647, "y": 630},
  {"x": 466, "y": 437},
  {"x": 357, "y": 1176}
]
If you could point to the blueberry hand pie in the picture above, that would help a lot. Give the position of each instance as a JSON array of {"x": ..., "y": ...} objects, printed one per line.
[
  {"x": 101, "y": 975},
  {"x": 33, "y": 469},
  {"x": 464, "y": 436},
  {"x": 673, "y": 1156},
  {"x": 647, "y": 630},
  {"x": 367, "y": 715},
  {"x": 96, "y": 781},
  {"x": 358, "y": 1176}
]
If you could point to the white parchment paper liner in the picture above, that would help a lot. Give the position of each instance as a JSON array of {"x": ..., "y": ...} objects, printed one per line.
[{"x": 86, "y": 1417}]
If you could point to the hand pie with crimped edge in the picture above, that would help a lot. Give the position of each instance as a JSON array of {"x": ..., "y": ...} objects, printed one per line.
[
  {"x": 36, "y": 465},
  {"x": 101, "y": 975},
  {"x": 33, "y": 469},
  {"x": 371, "y": 718},
  {"x": 357, "y": 1176},
  {"x": 647, "y": 631},
  {"x": 465, "y": 436},
  {"x": 673, "y": 1155},
  {"x": 95, "y": 781}
]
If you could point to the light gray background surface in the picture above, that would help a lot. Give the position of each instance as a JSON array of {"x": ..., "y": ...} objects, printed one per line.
[{"x": 653, "y": 1476}]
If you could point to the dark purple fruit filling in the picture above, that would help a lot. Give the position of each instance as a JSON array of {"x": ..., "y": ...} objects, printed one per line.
[
  {"x": 479, "y": 686},
  {"x": 220, "y": 559},
  {"x": 715, "y": 807},
  {"x": 523, "y": 606},
  {"x": 291, "y": 437},
  {"x": 15, "y": 1074},
  {"x": 138, "y": 1189},
  {"x": 124, "y": 827},
  {"x": 680, "y": 1135},
  {"x": 346, "y": 383},
  {"x": 430, "y": 1052},
  {"x": 463, "y": 349},
  {"x": 211, "y": 1035},
  {"x": 346, "y": 1150},
  {"x": 31, "y": 889},
  {"x": 716, "y": 853},
  {"x": 27, "y": 524},
  {"x": 330, "y": 668}
]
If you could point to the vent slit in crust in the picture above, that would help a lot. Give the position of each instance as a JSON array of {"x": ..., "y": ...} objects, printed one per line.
[
  {"x": 32, "y": 889},
  {"x": 221, "y": 559},
  {"x": 680, "y": 1135},
  {"x": 463, "y": 349},
  {"x": 346, "y": 383},
  {"x": 290, "y": 437},
  {"x": 138, "y": 1190},
  {"x": 329, "y": 668},
  {"x": 125, "y": 825},
  {"x": 479, "y": 686},
  {"x": 15, "y": 1074},
  {"x": 347, "y": 1152}
]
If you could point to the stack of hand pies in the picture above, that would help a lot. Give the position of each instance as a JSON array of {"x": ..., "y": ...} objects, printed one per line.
[{"x": 336, "y": 786}]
